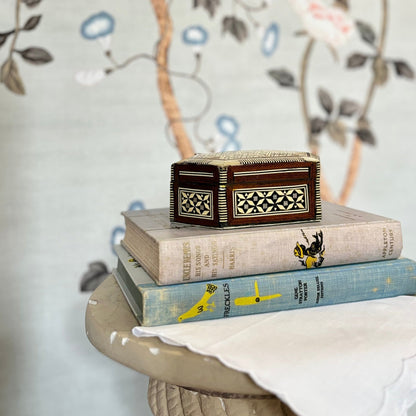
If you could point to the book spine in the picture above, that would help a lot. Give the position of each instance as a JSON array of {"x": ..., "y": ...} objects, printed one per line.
[
  {"x": 267, "y": 251},
  {"x": 277, "y": 292}
]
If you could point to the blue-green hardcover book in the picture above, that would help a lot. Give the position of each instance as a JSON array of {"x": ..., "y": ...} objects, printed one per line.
[{"x": 186, "y": 302}]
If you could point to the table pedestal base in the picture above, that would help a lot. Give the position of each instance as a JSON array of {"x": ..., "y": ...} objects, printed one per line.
[{"x": 169, "y": 400}]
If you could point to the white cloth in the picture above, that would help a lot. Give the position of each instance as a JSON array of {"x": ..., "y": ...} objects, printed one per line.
[{"x": 351, "y": 359}]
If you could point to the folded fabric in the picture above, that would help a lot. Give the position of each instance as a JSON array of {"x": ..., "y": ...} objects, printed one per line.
[{"x": 349, "y": 359}]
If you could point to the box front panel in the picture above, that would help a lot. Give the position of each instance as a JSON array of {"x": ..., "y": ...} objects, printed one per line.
[
  {"x": 261, "y": 194},
  {"x": 270, "y": 201}
]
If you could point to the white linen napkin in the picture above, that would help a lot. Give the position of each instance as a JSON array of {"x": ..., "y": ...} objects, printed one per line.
[{"x": 350, "y": 359}]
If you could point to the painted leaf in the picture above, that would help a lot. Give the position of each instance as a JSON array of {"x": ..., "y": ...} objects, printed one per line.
[
  {"x": 9, "y": 75},
  {"x": 317, "y": 124},
  {"x": 366, "y": 32},
  {"x": 209, "y": 5},
  {"x": 36, "y": 56},
  {"x": 348, "y": 108},
  {"x": 325, "y": 100},
  {"x": 283, "y": 77},
  {"x": 235, "y": 27},
  {"x": 91, "y": 279},
  {"x": 337, "y": 132},
  {"x": 356, "y": 60},
  {"x": 3, "y": 39},
  {"x": 381, "y": 71},
  {"x": 366, "y": 136},
  {"x": 31, "y": 3},
  {"x": 32, "y": 22},
  {"x": 403, "y": 69}
]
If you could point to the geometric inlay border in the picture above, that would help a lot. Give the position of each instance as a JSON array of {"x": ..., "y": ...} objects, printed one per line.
[
  {"x": 278, "y": 200},
  {"x": 196, "y": 203}
]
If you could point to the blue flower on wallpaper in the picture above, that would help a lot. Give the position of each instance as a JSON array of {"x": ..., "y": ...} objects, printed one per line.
[
  {"x": 195, "y": 36},
  {"x": 98, "y": 25},
  {"x": 118, "y": 232},
  {"x": 230, "y": 145},
  {"x": 228, "y": 126},
  {"x": 136, "y": 206},
  {"x": 116, "y": 236},
  {"x": 270, "y": 39}
]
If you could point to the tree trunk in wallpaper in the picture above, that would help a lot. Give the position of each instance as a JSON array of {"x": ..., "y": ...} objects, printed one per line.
[{"x": 167, "y": 96}]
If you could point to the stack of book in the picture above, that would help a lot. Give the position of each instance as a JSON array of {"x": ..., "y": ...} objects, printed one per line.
[
  {"x": 172, "y": 273},
  {"x": 247, "y": 233}
]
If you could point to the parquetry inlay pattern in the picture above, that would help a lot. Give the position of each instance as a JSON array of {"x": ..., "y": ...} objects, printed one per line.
[
  {"x": 195, "y": 203},
  {"x": 270, "y": 201}
]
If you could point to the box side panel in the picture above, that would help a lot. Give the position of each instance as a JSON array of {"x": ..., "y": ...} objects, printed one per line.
[{"x": 194, "y": 194}]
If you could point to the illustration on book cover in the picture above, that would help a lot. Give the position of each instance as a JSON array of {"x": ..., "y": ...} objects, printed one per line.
[
  {"x": 312, "y": 256},
  {"x": 252, "y": 300},
  {"x": 203, "y": 306}
]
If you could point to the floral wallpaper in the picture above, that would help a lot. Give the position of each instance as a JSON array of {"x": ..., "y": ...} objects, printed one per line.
[
  {"x": 346, "y": 120},
  {"x": 331, "y": 24}
]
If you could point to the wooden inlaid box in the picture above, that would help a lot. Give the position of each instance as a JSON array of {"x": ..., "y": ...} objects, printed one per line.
[{"x": 243, "y": 188}]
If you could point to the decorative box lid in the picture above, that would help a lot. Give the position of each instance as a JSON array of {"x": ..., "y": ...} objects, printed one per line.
[{"x": 247, "y": 157}]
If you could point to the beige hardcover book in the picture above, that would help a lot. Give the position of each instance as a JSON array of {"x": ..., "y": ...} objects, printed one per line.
[{"x": 174, "y": 253}]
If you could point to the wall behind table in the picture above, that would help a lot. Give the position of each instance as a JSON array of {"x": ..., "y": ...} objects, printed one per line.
[{"x": 72, "y": 157}]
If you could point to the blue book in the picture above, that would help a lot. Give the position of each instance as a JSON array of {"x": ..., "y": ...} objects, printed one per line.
[{"x": 222, "y": 298}]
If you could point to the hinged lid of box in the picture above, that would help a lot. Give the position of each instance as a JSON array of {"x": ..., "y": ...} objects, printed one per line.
[{"x": 245, "y": 187}]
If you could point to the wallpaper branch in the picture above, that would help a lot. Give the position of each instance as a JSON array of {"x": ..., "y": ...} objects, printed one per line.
[
  {"x": 355, "y": 159},
  {"x": 325, "y": 190},
  {"x": 16, "y": 29},
  {"x": 167, "y": 95},
  {"x": 196, "y": 119}
]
